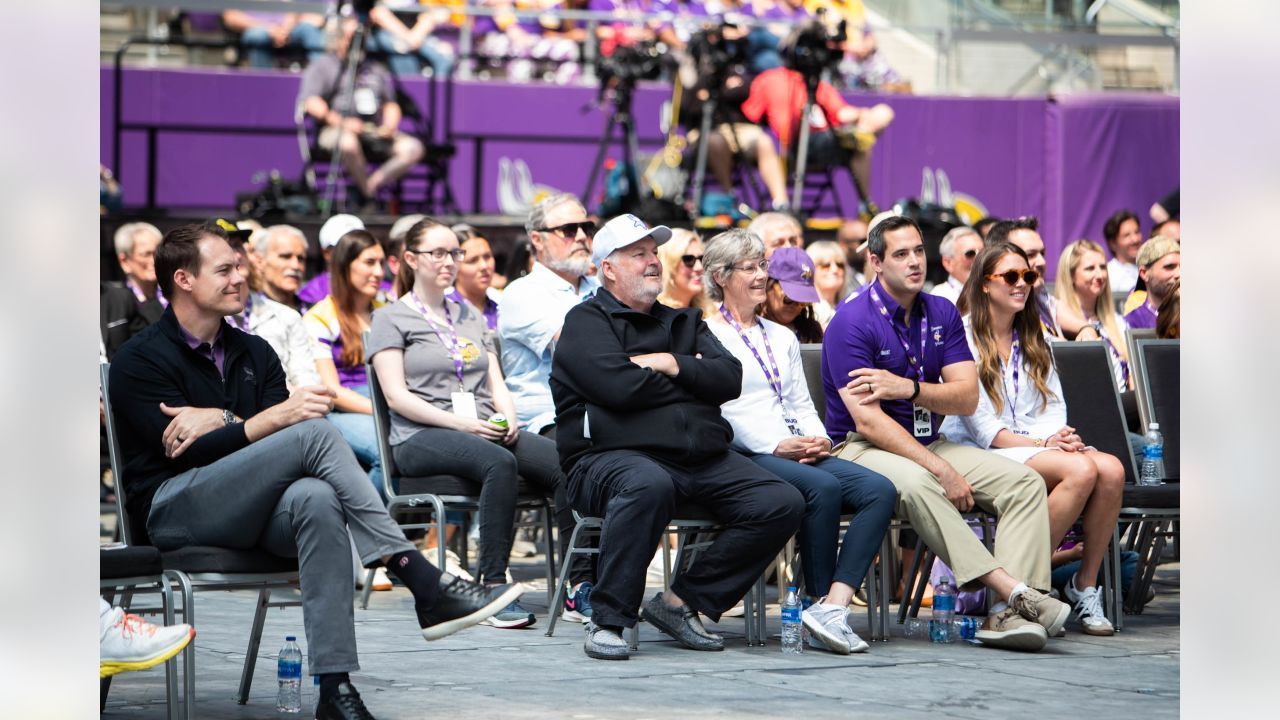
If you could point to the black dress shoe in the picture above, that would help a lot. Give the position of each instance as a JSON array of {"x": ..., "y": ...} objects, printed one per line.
[
  {"x": 346, "y": 705},
  {"x": 681, "y": 623}
]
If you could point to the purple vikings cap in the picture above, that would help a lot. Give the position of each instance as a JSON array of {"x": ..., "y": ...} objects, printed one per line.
[{"x": 793, "y": 268}]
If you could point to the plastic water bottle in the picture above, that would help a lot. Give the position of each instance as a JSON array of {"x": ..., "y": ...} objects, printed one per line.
[
  {"x": 1152, "y": 457},
  {"x": 944, "y": 611},
  {"x": 792, "y": 637},
  {"x": 966, "y": 628},
  {"x": 289, "y": 675}
]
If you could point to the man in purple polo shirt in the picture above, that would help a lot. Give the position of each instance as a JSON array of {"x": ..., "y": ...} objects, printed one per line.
[
  {"x": 894, "y": 362},
  {"x": 1160, "y": 268}
]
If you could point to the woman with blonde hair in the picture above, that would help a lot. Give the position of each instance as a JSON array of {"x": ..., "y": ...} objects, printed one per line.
[
  {"x": 1021, "y": 415},
  {"x": 828, "y": 278},
  {"x": 682, "y": 284},
  {"x": 1084, "y": 295}
]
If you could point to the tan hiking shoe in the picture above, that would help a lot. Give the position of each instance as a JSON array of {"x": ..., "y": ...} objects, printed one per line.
[
  {"x": 1040, "y": 608},
  {"x": 1009, "y": 630}
]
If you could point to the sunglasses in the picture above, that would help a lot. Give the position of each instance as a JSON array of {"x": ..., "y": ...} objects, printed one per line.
[
  {"x": 971, "y": 254},
  {"x": 690, "y": 260},
  {"x": 1010, "y": 277},
  {"x": 570, "y": 230}
]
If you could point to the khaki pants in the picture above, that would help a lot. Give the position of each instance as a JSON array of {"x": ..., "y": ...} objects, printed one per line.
[{"x": 1013, "y": 492}]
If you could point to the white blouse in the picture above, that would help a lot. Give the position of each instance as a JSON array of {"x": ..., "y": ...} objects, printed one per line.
[
  {"x": 1022, "y": 415},
  {"x": 757, "y": 420}
]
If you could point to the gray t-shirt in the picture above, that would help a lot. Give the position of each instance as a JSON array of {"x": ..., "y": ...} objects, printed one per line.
[
  {"x": 428, "y": 366},
  {"x": 373, "y": 88}
]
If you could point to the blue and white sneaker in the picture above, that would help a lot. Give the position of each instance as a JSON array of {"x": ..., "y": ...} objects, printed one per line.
[
  {"x": 577, "y": 605},
  {"x": 510, "y": 617}
]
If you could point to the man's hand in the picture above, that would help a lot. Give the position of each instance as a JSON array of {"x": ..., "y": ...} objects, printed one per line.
[
  {"x": 664, "y": 363},
  {"x": 187, "y": 426},
  {"x": 806, "y": 450},
  {"x": 871, "y": 385},
  {"x": 958, "y": 490},
  {"x": 306, "y": 403}
]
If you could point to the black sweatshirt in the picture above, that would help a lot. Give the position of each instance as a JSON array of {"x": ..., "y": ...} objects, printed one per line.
[
  {"x": 633, "y": 408},
  {"x": 157, "y": 366}
]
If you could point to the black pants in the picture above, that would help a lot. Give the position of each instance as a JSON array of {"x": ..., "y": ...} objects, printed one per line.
[{"x": 637, "y": 495}]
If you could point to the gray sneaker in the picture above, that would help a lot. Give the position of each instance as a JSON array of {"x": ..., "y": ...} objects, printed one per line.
[
  {"x": 1040, "y": 608},
  {"x": 681, "y": 623},
  {"x": 827, "y": 625},
  {"x": 603, "y": 644}
]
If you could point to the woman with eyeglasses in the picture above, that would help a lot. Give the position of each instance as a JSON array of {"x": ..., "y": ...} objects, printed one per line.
[
  {"x": 828, "y": 279},
  {"x": 1084, "y": 296},
  {"x": 776, "y": 425},
  {"x": 336, "y": 323},
  {"x": 681, "y": 259},
  {"x": 475, "y": 274},
  {"x": 790, "y": 295},
  {"x": 436, "y": 365},
  {"x": 1021, "y": 415}
]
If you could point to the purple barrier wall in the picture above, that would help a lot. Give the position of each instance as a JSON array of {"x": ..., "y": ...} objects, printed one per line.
[{"x": 1071, "y": 161}]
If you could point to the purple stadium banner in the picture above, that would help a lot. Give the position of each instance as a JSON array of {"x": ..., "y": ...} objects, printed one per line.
[{"x": 1072, "y": 161}]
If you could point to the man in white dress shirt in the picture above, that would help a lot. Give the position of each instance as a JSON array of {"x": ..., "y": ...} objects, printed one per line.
[{"x": 958, "y": 249}]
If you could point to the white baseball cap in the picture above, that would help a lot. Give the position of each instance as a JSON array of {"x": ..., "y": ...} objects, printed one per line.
[
  {"x": 337, "y": 226},
  {"x": 623, "y": 231}
]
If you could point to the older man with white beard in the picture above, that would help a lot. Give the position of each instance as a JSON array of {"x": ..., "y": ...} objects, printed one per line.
[
  {"x": 638, "y": 388},
  {"x": 532, "y": 309}
]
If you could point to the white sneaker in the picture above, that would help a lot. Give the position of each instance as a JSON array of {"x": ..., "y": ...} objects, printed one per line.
[
  {"x": 452, "y": 564},
  {"x": 828, "y": 626},
  {"x": 130, "y": 643},
  {"x": 381, "y": 582},
  {"x": 1087, "y": 604}
]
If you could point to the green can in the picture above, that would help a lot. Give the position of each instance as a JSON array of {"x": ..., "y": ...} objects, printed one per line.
[{"x": 500, "y": 420}]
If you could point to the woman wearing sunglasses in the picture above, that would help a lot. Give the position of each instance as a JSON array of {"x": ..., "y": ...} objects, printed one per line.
[
  {"x": 828, "y": 278},
  {"x": 435, "y": 362},
  {"x": 775, "y": 425},
  {"x": 1021, "y": 415},
  {"x": 790, "y": 295},
  {"x": 1084, "y": 296},
  {"x": 681, "y": 259}
]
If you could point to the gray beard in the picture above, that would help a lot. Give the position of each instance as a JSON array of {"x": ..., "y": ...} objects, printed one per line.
[{"x": 569, "y": 266}]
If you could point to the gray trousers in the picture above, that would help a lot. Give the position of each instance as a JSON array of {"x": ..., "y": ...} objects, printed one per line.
[{"x": 295, "y": 494}]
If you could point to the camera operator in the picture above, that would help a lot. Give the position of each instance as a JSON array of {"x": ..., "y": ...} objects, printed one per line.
[
  {"x": 718, "y": 58},
  {"x": 839, "y": 132},
  {"x": 624, "y": 33}
]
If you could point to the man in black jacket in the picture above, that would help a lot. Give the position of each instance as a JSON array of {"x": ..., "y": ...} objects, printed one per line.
[
  {"x": 638, "y": 388},
  {"x": 218, "y": 453}
]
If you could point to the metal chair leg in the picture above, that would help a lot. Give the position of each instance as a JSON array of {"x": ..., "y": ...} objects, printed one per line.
[
  {"x": 562, "y": 585},
  {"x": 551, "y": 557},
  {"x": 909, "y": 584},
  {"x": 255, "y": 639},
  {"x": 368, "y": 589}
]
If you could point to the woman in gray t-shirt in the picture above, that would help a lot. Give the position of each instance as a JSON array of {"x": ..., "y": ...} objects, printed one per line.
[{"x": 436, "y": 364}]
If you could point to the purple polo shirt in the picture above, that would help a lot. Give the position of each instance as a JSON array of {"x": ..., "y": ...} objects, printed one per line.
[
  {"x": 859, "y": 336},
  {"x": 1141, "y": 317},
  {"x": 215, "y": 352},
  {"x": 318, "y": 289},
  {"x": 490, "y": 309}
]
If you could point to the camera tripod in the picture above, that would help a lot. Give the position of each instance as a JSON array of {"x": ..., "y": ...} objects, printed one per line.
[
  {"x": 622, "y": 118},
  {"x": 811, "y": 83}
]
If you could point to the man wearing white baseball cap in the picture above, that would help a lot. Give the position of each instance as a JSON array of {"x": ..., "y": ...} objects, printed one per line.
[
  {"x": 638, "y": 388},
  {"x": 330, "y": 233}
]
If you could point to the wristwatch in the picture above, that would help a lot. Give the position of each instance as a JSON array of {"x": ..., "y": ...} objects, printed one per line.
[{"x": 228, "y": 417}]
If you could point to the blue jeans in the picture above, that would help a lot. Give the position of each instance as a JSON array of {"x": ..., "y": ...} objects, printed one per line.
[
  {"x": 357, "y": 430},
  {"x": 258, "y": 50},
  {"x": 830, "y": 488},
  {"x": 433, "y": 52}
]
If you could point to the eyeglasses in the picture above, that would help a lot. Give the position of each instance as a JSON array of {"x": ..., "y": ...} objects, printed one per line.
[
  {"x": 762, "y": 266},
  {"x": 569, "y": 231},
  {"x": 438, "y": 254},
  {"x": 690, "y": 260},
  {"x": 970, "y": 254},
  {"x": 1010, "y": 277}
]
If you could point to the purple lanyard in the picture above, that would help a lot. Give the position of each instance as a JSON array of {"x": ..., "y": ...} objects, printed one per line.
[
  {"x": 771, "y": 374},
  {"x": 1124, "y": 366},
  {"x": 451, "y": 345},
  {"x": 916, "y": 363},
  {"x": 142, "y": 298},
  {"x": 1015, "y": 362},
  {"x": 1046, "y": 318}
]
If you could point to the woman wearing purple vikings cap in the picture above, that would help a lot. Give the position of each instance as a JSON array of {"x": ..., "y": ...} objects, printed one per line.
[
  {"x": 790, "y": 295},
  {"x": 775, "y": 425},
  {"x": 1022, "y": 416}
]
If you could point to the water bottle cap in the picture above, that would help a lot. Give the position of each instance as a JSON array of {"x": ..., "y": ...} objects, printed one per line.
[
  {"x": 1154, "y": 426},
  {"x": 791, "y": 588},
  {"x": 290, "y": 638}
]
